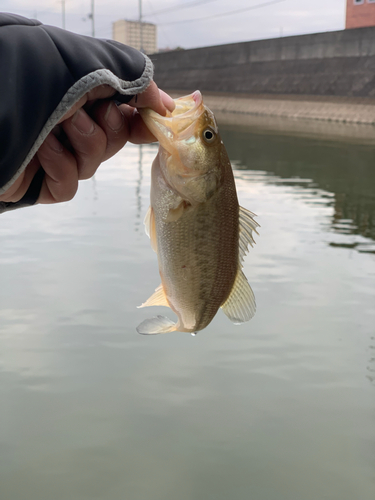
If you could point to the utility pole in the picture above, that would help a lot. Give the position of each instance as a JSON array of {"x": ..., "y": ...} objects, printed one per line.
[
  {"x": 92, "y": 18},
  {"x": 140, "y": 26},
  {"x": 63, "y": 13}
]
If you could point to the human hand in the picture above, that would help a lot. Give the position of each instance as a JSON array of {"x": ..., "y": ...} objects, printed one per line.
[{"x": 92, "y": 131}]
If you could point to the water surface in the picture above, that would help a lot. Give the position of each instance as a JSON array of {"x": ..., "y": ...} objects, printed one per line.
[{"x": 282, "y": 407}]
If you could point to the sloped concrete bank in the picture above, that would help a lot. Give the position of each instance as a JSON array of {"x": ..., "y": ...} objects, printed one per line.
[
  {"x": 323, "y": 77},
  {"x": 345, "y": 110},
  {"x": 330, "y": 118}
]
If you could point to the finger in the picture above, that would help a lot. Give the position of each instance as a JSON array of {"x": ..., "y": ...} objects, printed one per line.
[
  {"x": 101, "y": 92},
  {"x": 138, "y": 132},
  {"x": 18, "y": 189},
  {"x": 153, "y": 98},
  {"x": 88, "y": 140},
  {"x": 167, "y": 100},
  {"x": 61, "y": 174},
  {"x": 112, "y": 121}
]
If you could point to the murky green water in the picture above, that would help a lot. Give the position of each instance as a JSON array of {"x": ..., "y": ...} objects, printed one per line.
[{"x": 282, "y": 407}]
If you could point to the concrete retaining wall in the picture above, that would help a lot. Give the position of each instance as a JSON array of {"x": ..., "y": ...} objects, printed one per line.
[{"x": 339, "y": 63}]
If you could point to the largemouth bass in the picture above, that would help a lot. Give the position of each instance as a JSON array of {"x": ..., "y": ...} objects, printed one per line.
[{"x": 196, "y": 226}]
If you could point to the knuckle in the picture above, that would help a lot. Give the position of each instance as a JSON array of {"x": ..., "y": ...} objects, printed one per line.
[
  {"x": 93, "y": 146},
  {"x": 91, "y": 155}
]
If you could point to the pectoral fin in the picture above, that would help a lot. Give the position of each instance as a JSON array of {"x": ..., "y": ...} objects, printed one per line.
[
  {"x": 158, "y": 298},
  {"x": 175, "y": 213},
  {"x": 240, "y": 305},
  {"x": 176, "y": 210},
  {"x": 153, "y": 326}
]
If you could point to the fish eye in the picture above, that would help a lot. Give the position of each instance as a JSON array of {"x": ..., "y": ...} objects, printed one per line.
[{"x": 209, "y": 135}]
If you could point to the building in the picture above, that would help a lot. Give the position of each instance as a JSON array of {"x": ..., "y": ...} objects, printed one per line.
[
  {"x": 360, "y": 13},
  {"x": 141, "y": 36}
]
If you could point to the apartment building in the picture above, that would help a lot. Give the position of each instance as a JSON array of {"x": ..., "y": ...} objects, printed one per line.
[
  {"x": 360, "y": 13},
  {"x": 141, "y": 36}
]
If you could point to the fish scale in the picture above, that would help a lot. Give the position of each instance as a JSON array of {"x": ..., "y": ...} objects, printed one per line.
[{"x": 207, "y": 276}]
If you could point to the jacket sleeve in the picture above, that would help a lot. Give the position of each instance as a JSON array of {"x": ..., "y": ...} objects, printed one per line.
[{"x": 44, "y": 72}]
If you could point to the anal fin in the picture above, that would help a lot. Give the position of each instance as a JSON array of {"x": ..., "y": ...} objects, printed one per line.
[
  {"x": 158, "y": 298},
  {"x": 240, "y": 305},
  {"x": 158, "y": 324}
]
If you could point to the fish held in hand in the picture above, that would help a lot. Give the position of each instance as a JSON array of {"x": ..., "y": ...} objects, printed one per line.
[{"x": 196, "y": 226}]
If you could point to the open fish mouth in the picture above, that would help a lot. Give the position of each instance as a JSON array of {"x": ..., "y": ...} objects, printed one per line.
[
  {"x": 187, "y": 104},
  {"x": 177, "y": 125}
]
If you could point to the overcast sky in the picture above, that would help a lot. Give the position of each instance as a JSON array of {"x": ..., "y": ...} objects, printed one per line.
[{"x": 192, "y": 23}]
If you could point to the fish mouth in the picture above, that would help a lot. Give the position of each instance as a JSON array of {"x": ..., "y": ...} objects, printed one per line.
[
  {"x": 176, "y": 125},
  {"x": 187, "y": 104}
]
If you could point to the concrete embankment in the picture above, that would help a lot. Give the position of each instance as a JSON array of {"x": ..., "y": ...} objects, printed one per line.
[
  {"x": 333, "y": 109},
  {"x": 327, "y": 77},
  {"x": 338, "y": 63},
  {"x": 349, "y": 119}
]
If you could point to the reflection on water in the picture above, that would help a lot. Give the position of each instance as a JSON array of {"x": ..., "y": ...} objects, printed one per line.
[
  {"x": 346, "y": 171},
  {"x": 282, "y": 407}
]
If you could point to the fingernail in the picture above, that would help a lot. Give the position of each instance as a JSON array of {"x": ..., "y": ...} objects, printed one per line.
[
  {"x": 167, "y": 100},
  {"x": 83, "y": 122},
  {"x": 54, "y": 143},
  {"x": 114, "y": 117}
]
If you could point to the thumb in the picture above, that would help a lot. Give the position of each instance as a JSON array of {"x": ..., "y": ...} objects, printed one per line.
[{"x": 153, "y": 98}]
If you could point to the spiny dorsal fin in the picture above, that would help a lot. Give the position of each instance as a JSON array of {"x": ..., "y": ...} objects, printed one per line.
[
  {"x": 240, "y": 305},
  {"x": 158, "y": 324},
  {"x": 247, "y": 226},
  {"x": 150, "y": 229},
  {"x": 158, "y": 298}
]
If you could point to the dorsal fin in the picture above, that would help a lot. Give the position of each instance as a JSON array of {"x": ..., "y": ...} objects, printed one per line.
[
  {"x": 150, "y": 229},
  {"x": 240, "y": 305},
  {"x": 247, "y": 226}
]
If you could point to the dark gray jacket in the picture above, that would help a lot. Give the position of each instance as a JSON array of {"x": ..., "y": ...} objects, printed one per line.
[{"x": 44, "y": 71}]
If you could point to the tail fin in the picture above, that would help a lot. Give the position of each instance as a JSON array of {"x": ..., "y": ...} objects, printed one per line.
[{"x": 158, "y": 324}]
